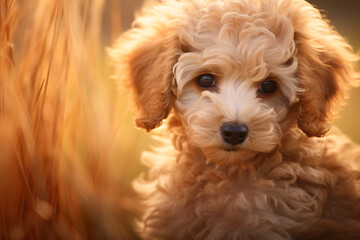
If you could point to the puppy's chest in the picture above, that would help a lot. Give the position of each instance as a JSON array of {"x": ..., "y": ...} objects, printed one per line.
[{"x": 283, "y": 192}]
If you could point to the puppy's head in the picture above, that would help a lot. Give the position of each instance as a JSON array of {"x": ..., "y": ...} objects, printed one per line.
[{"x": 237, "y": 72}]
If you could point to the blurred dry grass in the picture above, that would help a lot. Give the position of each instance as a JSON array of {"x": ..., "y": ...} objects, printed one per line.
[{"x": 67, "y": 151}]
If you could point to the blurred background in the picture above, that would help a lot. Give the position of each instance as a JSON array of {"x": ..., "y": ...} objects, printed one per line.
[{"x": 68, "y": 147}]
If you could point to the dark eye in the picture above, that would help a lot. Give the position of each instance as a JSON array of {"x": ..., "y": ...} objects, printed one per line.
[
  {"x": 267, "y": 86},
  {"x": 206, "y": 80}
]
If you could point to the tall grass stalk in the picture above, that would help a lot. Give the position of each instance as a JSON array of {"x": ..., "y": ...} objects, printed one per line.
[{"x": 61, "y": 166}]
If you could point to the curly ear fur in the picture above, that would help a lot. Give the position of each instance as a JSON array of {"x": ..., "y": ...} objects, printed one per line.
[
  {"x": 144, "y": 58},
  {"x": 326, "y": 69}
]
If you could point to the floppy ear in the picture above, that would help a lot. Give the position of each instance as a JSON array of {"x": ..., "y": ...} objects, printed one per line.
[
  {"x": 325, "y": 71},
  {"x": 144, "y": 57}
]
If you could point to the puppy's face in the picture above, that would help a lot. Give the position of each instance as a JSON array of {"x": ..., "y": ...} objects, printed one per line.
[
  {"x": 238, "y": 73},
  {"x": 236, "y": 83}
]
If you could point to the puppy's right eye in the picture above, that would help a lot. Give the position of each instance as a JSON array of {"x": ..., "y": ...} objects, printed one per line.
[
  {"x": 206, "y": 80},
  {"x": 267, "y": 86}
]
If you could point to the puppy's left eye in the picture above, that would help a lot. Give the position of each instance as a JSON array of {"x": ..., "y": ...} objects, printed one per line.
[
  {"x": 206, "y": 80},
  {"x": 268, "y": 86}
]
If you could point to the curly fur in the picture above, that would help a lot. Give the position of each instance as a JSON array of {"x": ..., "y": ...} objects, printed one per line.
[{"x": 291, "y": 178}]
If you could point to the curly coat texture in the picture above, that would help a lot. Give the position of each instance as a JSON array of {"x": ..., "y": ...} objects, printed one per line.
[{"x": 291, "y": 178}]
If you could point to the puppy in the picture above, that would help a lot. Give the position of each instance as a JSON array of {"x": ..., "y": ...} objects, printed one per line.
[{"x": 248, "y": 89}]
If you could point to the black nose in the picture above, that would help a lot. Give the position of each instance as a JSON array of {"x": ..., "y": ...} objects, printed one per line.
[{"x": 234, "y": 133}]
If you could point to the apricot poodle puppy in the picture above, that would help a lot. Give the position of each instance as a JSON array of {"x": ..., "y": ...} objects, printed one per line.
[{"x": 248, "y": 89}]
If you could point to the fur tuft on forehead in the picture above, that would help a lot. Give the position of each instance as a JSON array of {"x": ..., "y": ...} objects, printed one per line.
[{"x": 250, "y": 42}]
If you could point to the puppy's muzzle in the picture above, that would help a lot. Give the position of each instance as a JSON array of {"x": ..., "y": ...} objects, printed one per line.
[{"x": 234, "y": 133}]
